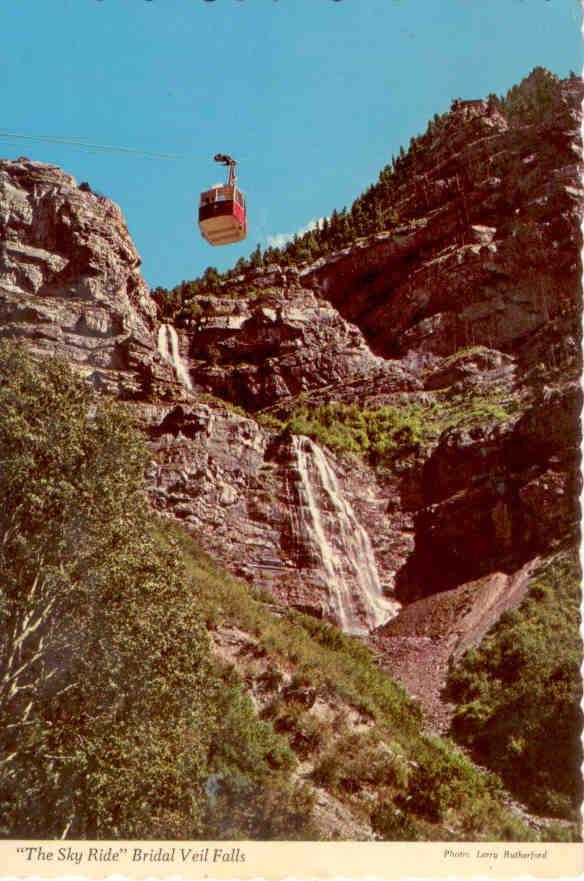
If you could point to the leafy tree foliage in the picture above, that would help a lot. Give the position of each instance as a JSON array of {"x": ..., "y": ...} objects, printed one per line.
[
  {"x": 103, "y": 657},
  {"x": 116, "y": 719}
]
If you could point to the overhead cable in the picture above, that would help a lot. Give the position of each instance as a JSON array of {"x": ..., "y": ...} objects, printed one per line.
[{"x": 106, "y": 148}]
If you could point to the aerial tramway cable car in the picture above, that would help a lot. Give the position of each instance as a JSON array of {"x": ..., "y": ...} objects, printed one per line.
[{"x": 222, "y": 211}]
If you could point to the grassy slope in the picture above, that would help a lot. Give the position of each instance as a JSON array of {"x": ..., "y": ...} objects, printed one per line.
[{"x": 370, "y": 751}]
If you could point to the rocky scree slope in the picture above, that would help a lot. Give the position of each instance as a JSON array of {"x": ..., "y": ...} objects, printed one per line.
[{"x": 465, "y": 314}]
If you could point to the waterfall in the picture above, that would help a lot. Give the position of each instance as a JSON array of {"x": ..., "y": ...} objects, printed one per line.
[
  {"x": 167, "y": 334},
  {"x": 326, "y": 520}
]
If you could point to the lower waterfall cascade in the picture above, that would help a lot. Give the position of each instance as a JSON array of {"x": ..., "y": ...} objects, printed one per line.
[{"x": 326, "y": 520}]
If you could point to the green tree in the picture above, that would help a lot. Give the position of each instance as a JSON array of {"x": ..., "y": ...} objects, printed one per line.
[
  {"x": 532, "y": 99},
  {"x": 211, "y": 280},
  {"x": 103, "y": 658},
  {"x": 256, "y": 258}
]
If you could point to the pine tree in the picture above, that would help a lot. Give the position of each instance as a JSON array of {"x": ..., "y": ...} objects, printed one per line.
[{"x": 256, "y": 258}]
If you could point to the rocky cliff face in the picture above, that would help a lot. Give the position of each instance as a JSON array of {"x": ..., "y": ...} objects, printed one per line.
[
  {"x": 488, "y": 249},
  {"x": 468, "y": 310},
  {"x": 70, "y": 280},
  {"x": 276, "y": 510},
  {"x": 280, "y": 342}
]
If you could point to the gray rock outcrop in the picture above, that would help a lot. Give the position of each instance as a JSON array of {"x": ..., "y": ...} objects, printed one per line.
[{"x": 70, "y": 282}]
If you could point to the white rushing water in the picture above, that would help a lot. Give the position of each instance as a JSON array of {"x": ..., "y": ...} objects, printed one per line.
[
  {"x": 327, "y": 519},
  {"x": 168, "y": 348}
]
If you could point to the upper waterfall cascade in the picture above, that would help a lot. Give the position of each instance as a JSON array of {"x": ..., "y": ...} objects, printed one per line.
[
  {"x": 328, "y": 522},
  {"x": 169, "y": 350}
]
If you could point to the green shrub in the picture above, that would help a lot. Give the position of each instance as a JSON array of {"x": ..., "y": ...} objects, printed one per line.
[
  {"x": 327, "y": 772},
  {"x": 521, "y": 687},
  {"x": 392, "y": 824},
  {"x": 382, "y": 436},
  {"x": 242, "y": 742},
  {"x": 271, "y": 679},
  {"x": 439, "y": 781},
  {"x": 275, "y": 810},
  {"x": 311, "y": 736},
  {"x": 360, "y": 760}
]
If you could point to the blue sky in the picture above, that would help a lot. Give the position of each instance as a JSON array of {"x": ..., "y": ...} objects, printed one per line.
[{"x": 314, "y": 96}]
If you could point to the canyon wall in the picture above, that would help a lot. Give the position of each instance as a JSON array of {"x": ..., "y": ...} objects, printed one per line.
[{"x": 468, "y": 309}]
